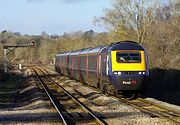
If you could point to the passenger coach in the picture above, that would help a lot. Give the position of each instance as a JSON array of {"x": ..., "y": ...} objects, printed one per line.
[{"x": 114, "y": 69}]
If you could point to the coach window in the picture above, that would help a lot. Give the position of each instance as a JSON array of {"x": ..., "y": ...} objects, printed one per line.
[
  {"x": 83, "y": 62},
  {"x": 69, "y": 62},
  {"x": 92, "y": 62},
  {"x": 75, "y": 62}
]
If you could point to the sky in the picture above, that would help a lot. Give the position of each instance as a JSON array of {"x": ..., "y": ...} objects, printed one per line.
[{"x": 52, "y": 16}]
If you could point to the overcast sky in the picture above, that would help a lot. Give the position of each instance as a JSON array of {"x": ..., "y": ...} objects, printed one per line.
[{"x": 52, "y": 16}]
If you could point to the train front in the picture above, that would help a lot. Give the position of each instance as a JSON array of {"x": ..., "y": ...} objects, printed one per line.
[{"x": 128, "y": 67}]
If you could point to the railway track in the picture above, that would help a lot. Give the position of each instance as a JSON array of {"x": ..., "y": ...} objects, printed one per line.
[
  {"x": 151, "y": 108},
  {"x": 70, "y": 109},
  {"x": 154, "y": 109}
]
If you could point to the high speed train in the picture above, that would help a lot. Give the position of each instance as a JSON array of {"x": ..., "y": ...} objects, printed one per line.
[{"x": 118, "y": 68}]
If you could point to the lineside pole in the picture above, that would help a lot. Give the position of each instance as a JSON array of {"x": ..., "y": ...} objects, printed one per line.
[
  {"x": 5, "y": 60},
  {"x": 7, "y": 51}
]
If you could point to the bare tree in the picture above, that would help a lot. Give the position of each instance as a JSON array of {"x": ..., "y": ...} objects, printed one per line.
[{"x": 127, "y": 16}]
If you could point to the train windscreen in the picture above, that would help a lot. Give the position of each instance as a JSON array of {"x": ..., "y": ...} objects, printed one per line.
[{"x": 128, "y": 57}]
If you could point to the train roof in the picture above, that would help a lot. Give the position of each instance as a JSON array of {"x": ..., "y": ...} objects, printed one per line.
[
  {"x": 63, "y": 54},
  {"x": 122, "y": 45},
  {"x": 126, "y": 45},
  {"x": 75, "y": 52},
  {"x": 85, "y": 51},
  {"x": 97, "y": 49}
]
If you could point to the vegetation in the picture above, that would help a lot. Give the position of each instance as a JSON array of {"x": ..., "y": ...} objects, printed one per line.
[{"x": 151, "y": 23}]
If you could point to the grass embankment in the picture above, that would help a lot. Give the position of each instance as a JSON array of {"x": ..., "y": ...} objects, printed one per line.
[
  {"x": 8, "y": 90},
  {"x": 163, "y": 85}
]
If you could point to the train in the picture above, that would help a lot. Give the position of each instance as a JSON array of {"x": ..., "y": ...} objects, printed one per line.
[{"x": 119, "y": 68}]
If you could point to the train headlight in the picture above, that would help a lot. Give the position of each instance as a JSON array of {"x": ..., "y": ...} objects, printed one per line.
[
  {"x": 117, "y": 73},
  {"x": 141, "y": 73}
]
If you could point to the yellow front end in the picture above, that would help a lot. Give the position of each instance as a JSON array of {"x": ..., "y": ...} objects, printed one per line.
[{"x": 133, "y": 66}]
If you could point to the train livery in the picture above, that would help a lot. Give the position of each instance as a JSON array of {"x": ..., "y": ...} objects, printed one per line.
[{"x": 119, "y": 68}]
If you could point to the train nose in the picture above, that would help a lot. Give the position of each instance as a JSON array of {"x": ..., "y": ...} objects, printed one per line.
[
  {"x": 134, "y": 82},
  {"x": 127, "y": 82}
]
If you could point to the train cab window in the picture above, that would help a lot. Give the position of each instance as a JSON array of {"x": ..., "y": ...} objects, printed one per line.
[{"x": 128, "y": 57}]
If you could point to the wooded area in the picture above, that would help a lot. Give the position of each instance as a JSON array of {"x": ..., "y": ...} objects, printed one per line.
[{"x": 151, "y": 23}]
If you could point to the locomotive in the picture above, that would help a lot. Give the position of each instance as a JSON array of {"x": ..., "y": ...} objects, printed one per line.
[{"x": 118, "y": 68}]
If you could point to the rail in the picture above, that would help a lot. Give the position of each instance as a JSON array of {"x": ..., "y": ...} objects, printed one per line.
[
  {"x": 154, "y": 109},
  {"x": 57, "y": 105}
]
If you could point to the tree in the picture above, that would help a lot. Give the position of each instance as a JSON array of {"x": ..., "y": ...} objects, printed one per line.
[
  {"x": 4, "y": 36},
  {"x": 44, "y": 34},
  {"x": 88, "y": 36},
  {"x": 130, "y": 16}
]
